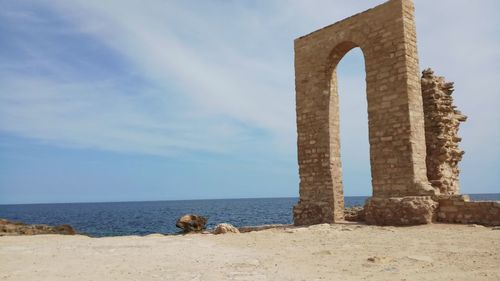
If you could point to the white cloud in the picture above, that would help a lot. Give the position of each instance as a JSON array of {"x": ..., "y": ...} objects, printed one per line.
[
  {"x": 230, "y": 66},
  {"x": 216, "y": 76},
  {"x": 96, "y": 116}
]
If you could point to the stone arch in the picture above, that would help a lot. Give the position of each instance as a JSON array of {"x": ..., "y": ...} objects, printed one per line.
[
  {"x": 386, "y": 35},
  {"x": 336, "y": 55}
]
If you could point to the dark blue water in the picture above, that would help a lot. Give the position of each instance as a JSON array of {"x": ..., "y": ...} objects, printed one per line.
[{"x": 141, "y": 218}]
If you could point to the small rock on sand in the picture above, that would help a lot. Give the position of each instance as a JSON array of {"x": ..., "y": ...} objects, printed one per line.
[
  {"x": 225, "y": 228},
  {"x": 376, "y": 259}
]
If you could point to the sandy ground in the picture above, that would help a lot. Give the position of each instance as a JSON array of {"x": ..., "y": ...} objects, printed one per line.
[{"x": 321, "y": 252}]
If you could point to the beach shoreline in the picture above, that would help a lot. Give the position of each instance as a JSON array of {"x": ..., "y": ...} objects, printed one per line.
[{"x": 348, "y": 251}]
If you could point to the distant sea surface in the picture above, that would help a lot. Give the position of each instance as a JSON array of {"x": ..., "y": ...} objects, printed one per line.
[{"x": 142, "y": 218}]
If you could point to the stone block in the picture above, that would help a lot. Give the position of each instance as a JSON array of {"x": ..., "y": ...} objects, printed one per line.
[{"x": 409, "y": 210}]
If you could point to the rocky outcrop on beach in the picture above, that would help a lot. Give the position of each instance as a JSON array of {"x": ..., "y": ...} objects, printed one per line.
[
  {"x": 191, "y": 223},
  {"x": 223, "y": 228},
  {"x": 8, "y": 228}
]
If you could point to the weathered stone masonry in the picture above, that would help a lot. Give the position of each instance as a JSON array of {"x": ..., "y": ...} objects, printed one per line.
[
  {"x": 459, "y": 209},
  {"x": 442, "y": 121},
  {"x": 441, "y": 133},
  {"x": 387, "y": 37},
  {"x": 402, "y": 193}
]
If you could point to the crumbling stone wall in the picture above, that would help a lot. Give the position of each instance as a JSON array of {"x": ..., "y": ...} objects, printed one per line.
[
  {"x": 408, "y": 210},
  {"x": 442, "y": 121},
  {"x": 459, "y": 209},
  {"x": 386, "y": 35}
]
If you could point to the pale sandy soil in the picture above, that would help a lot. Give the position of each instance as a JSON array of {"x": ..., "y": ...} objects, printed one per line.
[{"x": 322, "y": 252}]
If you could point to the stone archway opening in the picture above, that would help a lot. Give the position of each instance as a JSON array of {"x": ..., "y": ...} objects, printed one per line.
[
  {"x": 354, "y": 141},
  {"x": 335, "y": 124}
]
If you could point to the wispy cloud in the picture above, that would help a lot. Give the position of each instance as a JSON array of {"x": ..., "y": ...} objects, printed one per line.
[
  {"x": 205, "y": 99},
  {"x": 163, "y": 77}
]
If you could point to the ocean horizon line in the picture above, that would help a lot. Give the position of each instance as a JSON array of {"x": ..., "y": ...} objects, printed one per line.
[
  {"x": 181, "y": 200},
  {"x": 162, "y": 200}
]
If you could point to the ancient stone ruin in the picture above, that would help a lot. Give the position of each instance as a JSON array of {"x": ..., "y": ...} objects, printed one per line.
[
  {"x": 413, "y": 126},
  {"x": 441, "y": 133}
]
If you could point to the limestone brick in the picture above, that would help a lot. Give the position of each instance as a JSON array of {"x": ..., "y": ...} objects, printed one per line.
[
  {"x": 442, "y": 121},
  {"x": 458, "y": 209},
  {"x": 408, "y": 210}
]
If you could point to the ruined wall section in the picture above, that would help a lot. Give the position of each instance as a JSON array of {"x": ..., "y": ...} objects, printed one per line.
[
  {"x": 408, "y": 210},
  {"x": 442, "y": 122},
  {"x": 386, "y": 34},
  {"x": 459, "y": 209}
]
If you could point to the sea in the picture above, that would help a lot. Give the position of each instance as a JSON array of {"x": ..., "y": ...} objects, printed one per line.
[{"x": 143, "y": 218}]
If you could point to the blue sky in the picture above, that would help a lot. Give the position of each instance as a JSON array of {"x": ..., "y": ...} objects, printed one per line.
[{"x": 159, "y": 100}]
